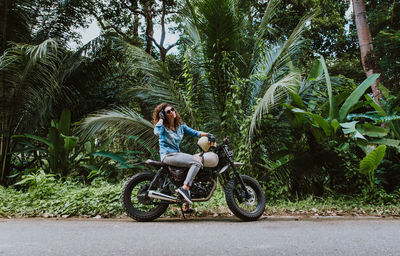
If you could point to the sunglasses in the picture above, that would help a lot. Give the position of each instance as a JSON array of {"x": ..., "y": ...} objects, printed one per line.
[{"x": 170, "y": 110}]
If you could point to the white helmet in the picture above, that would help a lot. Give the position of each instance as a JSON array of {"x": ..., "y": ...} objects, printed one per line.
[{"x": 204, "y": 144}]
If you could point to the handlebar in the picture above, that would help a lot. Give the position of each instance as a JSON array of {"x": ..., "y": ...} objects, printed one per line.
[{"x": 226, "y": 140}]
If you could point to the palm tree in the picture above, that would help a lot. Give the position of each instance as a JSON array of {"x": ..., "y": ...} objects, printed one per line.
[
  {"x": 14, "y": 26},
  {"x": 35, "y": 82},
  {"x": 220, "y": 66},
  {"x": 28, "y": 74}
]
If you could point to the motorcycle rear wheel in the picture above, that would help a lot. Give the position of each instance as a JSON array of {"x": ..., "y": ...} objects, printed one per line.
[
  {"x": 249, "y": 209},
  {"x": 135, "y": 202}
]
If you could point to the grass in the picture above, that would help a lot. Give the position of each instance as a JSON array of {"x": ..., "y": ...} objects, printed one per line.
[
  {"x": 51, "y": 198},
  {"x": 339, "y": 206}
]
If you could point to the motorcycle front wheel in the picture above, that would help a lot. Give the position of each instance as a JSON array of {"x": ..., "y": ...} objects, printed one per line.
[
  {"x": 247, "y": 209},
  {"x": 136, "y": 202}
]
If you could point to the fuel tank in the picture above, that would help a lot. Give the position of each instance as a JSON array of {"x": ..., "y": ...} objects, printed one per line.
[{"x": 210, "y": 159}]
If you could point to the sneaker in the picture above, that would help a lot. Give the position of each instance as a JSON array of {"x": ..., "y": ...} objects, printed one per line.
[{"x": 185, "y": 194}]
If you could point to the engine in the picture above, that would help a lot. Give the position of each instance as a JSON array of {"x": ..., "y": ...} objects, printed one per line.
[{"x": 201, "y": 189}]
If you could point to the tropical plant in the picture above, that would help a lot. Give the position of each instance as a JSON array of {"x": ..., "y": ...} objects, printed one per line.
[
  {"x": 62, "y": 154},
  {"x": 327, "y": 126},
  {"x": 371, "y": 162},
  {"x": 225, "y": 75},
  {"x": 29, "y": 73},
  {"x": 60, "y": 145},
  {"x": 318, "y": 142},
  {"x": 41, "y": 80}
]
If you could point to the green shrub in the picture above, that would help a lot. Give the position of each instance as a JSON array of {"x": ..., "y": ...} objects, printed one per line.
[{"x": 54, "y": 198}]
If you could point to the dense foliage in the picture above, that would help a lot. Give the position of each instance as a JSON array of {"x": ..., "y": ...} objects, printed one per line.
[
  {"x": 251, "y": 70},
  {"x": 43, "y": 195}
]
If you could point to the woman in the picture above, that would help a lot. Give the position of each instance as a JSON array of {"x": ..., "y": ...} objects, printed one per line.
[{"x": 170, "y": 129}]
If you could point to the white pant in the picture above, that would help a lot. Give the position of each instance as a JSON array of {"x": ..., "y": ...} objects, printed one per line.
[{"x": 179, "y": 159}]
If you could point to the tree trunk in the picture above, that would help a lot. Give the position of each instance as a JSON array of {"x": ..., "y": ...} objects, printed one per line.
[
  {"x": 163, "y": 52},
  {"x": 368, "y": 58},
  {"x": 148, "y": 13},
  {"x": 136, "y": 26},
  {"x": 4, "y": 137}
]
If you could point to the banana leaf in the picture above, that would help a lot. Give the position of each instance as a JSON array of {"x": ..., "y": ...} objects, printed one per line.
[
  {"x": 355, "y": 96},
  {"x": 333, "y": 109},
  {"x": 387, "y": 142},
  {"x": 64, "y": 124},
  {"x": 316, "y": 71},
  {"x": 316, "y": 119},
  {"x": 372, "y": 131},
  {"x": 375, "y": 105}
]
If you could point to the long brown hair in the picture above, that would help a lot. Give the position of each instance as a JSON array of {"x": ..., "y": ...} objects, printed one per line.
[{"x": 156, "y": 118}]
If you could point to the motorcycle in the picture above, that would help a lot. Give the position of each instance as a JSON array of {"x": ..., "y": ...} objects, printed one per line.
[{"x": 147, "y": 195}]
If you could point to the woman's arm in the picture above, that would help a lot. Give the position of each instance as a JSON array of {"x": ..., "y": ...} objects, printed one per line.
[
  {"x": 159, "y": 128},
  {"x": 192, "y": 132}
]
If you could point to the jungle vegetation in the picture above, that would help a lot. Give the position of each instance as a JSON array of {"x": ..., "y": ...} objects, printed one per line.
[{"x": 309, "y": 109}]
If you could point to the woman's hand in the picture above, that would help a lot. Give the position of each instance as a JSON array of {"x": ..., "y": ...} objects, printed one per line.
[
  {"x": 211, "y": 138},
  {"x": 161, "y": 115}
]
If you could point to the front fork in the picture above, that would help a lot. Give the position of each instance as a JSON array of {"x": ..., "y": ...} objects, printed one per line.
[{"x": 237, "y": 174}]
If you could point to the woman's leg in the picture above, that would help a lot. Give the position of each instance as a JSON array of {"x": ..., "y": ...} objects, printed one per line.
[
  {"x": 185, "y": 160},
  {"x": 194, "y": 169}
]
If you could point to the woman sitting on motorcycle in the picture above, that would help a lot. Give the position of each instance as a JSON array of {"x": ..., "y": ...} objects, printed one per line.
[{"x": 170, "y": 129}]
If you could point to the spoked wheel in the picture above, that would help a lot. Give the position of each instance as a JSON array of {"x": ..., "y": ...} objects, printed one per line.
[
  {"x": 246, "y": 208},
  {"x": 135, "y": 201}
]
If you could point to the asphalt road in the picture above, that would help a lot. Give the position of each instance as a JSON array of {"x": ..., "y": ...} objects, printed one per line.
[{"x": 199, "y": 237}]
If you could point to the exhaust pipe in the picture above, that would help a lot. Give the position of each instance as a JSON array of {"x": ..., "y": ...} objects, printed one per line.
[{"x": 157, "y": 195}]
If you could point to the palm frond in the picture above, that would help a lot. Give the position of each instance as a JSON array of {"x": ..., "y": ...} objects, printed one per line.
[
  {"x": 198, "y": 88},
  {"x": 122, "y": 121},
  {"x": 212, "y": 31},
  {"x": 271, "y": 63},
  {"x": 274, "y": 94},
  {"x": 191, "y": 20},
  {"x": 200, "y": 92},
  {"x": 275, "y": 58},
  {"x": 270, "y": 12},
  {"x": 220, "y": 25},
  {"x": 156, "y": 84},
  {"x": 71, "y": 62},
  {"x": 29, "y": 71}
]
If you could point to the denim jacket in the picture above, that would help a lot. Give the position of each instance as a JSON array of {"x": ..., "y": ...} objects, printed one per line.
[{"x": 169, "y": 139}]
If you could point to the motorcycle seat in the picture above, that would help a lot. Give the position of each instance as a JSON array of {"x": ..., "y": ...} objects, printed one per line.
[{"x": 154, "y": 163}]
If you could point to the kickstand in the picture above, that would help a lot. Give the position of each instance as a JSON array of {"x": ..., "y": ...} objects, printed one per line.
[{"x": 183, "y": 213}]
